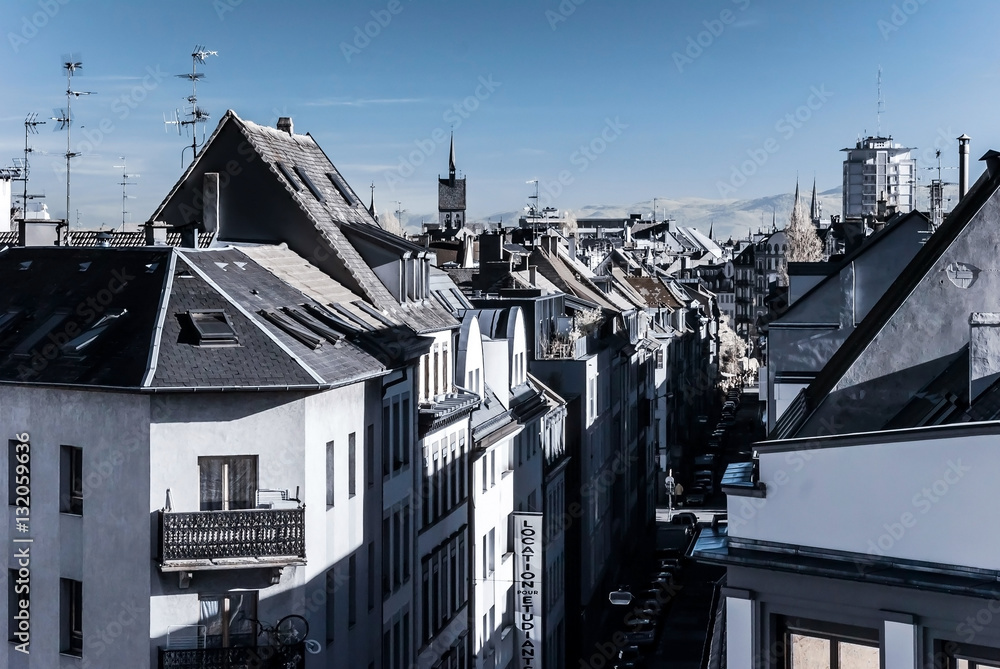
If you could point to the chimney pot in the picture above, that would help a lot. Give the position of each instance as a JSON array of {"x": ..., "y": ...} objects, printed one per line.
[
  {"x": 963, "y": 165},
  {"x": 285, "y": 124}
]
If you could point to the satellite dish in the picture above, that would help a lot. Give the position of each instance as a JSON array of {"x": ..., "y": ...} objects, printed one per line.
[{"x": 313, "y": 647}]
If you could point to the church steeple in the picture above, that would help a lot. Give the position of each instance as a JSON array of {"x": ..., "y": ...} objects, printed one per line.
[
  {"x": 451, "y": 195},
  {"x": 816, "y": 208},
  {"x": 371, "y": 207},
  {"x": 451, "y": 161}
]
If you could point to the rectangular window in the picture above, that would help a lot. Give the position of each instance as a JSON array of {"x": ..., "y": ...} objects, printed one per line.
[
  {"x": 331, "y": 456},
  {"x": 461, "y": 569},
  {"x": 406, "y": 446},
  {"x": 386, "y": 546},
  {"x": 370, "y": 455},
  {"x": 352, "y": 465},
  {"x": 371, "y": 575},
  {"x": 352, "y": 590},
  {"x": 386, "y": 436},
  {"x": 425, "y": 604},
  {"x": 70, "y": 480},
  {"x": 397, "y": 550},
  {"x": 491, "y": 543},
  {"x": 493, "y": 468},
  {"x": 71, "y": 616},
  {"x": 813, "y": 644},
  {"x": 331, "y": 603},
  {"x": 397, "y": 433},
  {"x": 228, "y": 483},
  {"x": 462, "y": 474},
  {"x": 405, "y": 520},
  {"x": 229, "y": 619},
  {"x": 437, "y": 604}
]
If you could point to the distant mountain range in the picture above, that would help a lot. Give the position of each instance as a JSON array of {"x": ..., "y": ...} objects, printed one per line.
[{"x": 726, "y": 218}]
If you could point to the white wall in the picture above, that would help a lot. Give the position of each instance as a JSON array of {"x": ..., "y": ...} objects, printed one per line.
[
  {"x": 912, "y": 499},
  {"x": 107, "y": 548}
]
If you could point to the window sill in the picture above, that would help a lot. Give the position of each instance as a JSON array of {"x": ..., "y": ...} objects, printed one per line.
[
  {"x": 505, "y": 632},
  {"x": 506, "y": 556},
  {"x": 505, "y": 473}
]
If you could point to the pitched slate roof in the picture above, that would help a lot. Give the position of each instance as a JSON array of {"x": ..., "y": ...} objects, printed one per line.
[
  {"x": 54, "y": 294},
  {"x": 654, "y": 292},
  {"x": 255, "y": 289},
  {"x": 316, "y": 189},
  {"x": 258, "y": 361},
  {"x": 451, "y": 198},
  {"x": 122, "y": 318}
]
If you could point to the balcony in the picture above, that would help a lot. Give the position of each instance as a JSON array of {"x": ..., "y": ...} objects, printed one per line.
[
  {"x": 564, "y": 347},
  {"x": 248, "y": 538},
  {"x": 252, "y": 657}
]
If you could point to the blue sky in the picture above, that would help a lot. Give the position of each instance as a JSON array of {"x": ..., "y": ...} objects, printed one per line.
[{"x": 603, "y": 102}]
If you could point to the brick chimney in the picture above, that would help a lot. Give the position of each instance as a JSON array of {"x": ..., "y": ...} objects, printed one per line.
[{"x": 285, "y": 124}]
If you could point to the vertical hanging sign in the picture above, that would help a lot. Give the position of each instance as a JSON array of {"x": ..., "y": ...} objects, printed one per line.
[{"x": 528, "y": 581}]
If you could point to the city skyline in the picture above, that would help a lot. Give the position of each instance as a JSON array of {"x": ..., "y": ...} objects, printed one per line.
[{"x": 731, "y": 99}]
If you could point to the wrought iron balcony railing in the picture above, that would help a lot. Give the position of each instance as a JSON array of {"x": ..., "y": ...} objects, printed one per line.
[
  {"x": 252, "y": 657},
  {"x": 232, "y": 539}
]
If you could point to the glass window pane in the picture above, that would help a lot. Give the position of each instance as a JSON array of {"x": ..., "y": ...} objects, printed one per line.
[
  {"x": 856, "y": 656},
  {"x": 809, "y": 652}
]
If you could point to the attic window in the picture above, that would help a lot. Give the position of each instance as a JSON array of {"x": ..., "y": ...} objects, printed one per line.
[
  {"x": 80, "y": 342},
  {"x": 313, "y": 325},
  {"x": 288, "y": 176},
  {"x": 25, "y": 265},
  {"x": 48, "y": 325},
  {"x": 345, "y": 190},
  {"x": 7, "y": 319},
  {"x": 309, "y": 183},
  {"x": 293, "y": 329},
  {"x": 213, "y": 327}
]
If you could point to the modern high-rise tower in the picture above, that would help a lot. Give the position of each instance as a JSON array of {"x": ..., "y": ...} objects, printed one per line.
[{"x": 875, "y": 167}]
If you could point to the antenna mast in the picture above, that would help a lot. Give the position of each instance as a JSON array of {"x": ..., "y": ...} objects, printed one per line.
[
  {"x": 879, "y": 105},
  {"x": 125, "y": 183},
  {"x": 197, "y": 114},
  {"x": 65, "y": 120}
]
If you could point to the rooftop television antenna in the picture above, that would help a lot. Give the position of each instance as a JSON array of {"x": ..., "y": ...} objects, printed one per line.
[
  {"x": 197, "y": 114},
  {"x": 31, "y": 124},
  {"x": 64, "y": 120},
  {"x": 125, "y": 183}
]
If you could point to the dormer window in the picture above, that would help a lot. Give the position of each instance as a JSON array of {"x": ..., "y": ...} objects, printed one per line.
[{"x": 213, "y": 328}]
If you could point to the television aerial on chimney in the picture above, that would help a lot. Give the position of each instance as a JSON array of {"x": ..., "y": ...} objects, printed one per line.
[{"x": 197, "y": 114}]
